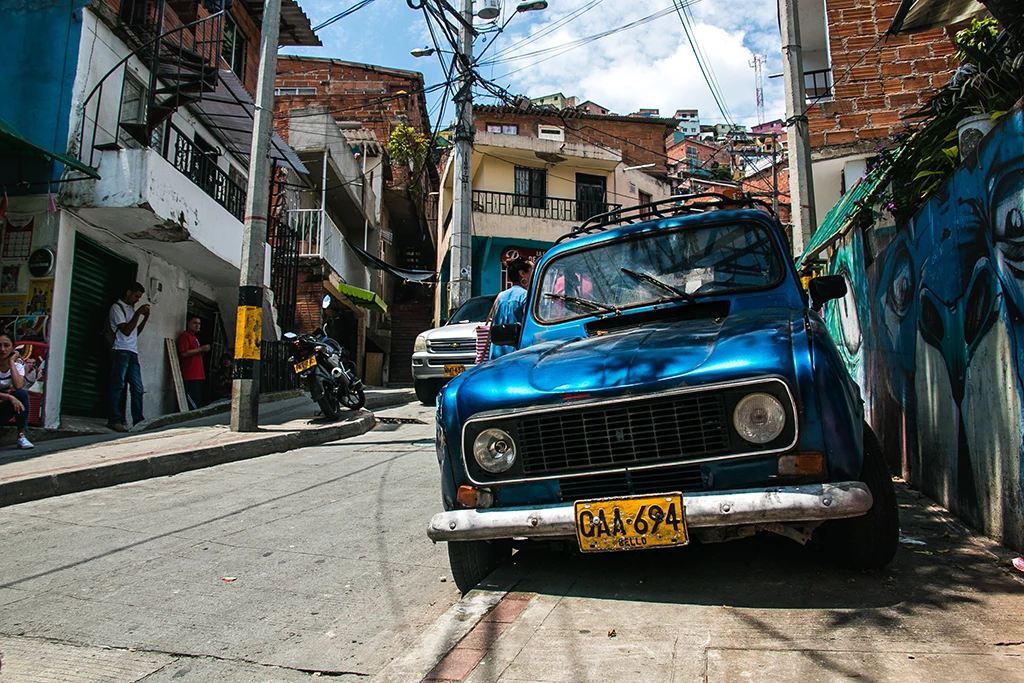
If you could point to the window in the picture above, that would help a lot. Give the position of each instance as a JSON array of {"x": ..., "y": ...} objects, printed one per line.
[
  {"x": 133, "y": 108},
  {"x": 643, "y": 198},
  {"x": 233, "y": 47},
  {"x": 550, "y": 133},
  {"x": 503, "y": 128},
  {"x": 294, "y": 91},
  {"x": 531, "y": 187}
]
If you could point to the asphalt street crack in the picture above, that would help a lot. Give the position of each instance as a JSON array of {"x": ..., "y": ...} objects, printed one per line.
[{"x": 188, "y": 655}]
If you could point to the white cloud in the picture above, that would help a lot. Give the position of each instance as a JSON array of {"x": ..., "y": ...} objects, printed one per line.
[{"x": 650, "y": 66}]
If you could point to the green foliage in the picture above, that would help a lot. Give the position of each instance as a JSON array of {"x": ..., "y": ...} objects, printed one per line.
[{"x": 405, "y": 145}]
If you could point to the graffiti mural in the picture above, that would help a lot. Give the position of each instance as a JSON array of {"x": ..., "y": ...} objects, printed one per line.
[{"x": 933, "y": 330}]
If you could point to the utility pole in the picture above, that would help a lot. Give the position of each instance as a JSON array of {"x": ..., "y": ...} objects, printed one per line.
[
  {"x": 245, "y": 388},
  {"x": 461, "y": 283},
  {"x": 775, "y": 174},
  {"x": 801, "y": 185}
]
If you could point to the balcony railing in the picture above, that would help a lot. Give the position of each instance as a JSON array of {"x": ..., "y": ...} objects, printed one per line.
[
  {"x": 202, "y": 169},
  {"x": 528, "y": 206},
  {"x": 319, "y": 237}
]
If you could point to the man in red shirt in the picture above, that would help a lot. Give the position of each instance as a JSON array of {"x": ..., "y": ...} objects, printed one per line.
[{"x": 191, "y": 354}]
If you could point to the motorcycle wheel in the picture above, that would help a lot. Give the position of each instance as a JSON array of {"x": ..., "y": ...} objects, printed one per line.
[
  {"x": 329, "y": 405},
  {"x": 354, "y": 399}
]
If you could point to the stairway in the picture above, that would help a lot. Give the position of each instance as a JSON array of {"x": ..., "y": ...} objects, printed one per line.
[{"x": 185, "y": 61}]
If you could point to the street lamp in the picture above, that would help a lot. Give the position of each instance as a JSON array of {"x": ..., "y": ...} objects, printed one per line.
[{"x": 422, "y": 51}]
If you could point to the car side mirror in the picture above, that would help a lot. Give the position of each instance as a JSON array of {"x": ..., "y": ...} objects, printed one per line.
[
  {"x": 506, "y": 335},
  {"x": 826, "y": 288}
]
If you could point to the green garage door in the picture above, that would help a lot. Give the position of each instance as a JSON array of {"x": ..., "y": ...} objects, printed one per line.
[{"x": 98, "y": 278}]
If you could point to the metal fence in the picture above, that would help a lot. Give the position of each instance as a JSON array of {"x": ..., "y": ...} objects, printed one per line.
[
  {"x": 202, "y": 169},
  {"x": 529, "y": 206},
  {"x": 276, "y": 373}
]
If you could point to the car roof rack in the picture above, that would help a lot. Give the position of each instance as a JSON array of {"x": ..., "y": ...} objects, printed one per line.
[{"x": 676, "y": 205}]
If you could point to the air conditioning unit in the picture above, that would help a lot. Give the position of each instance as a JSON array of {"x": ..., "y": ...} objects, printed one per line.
[
  {"x": 489, "y": 9},
  {"x": 545, "y": 132}
]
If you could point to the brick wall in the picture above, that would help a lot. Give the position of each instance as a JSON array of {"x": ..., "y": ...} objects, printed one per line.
[
  {"x": 706, "y": 155},
  {"x": 641, "y": 140},
  {"x": 878, "y": 80},
  {"x": 365, "y": 93},
  {"x": 761, "y": 183}
]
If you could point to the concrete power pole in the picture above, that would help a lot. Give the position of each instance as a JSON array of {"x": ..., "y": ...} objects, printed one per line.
[
  {"x": 801, "y": 185},
  {"x": 460, "y": 285},
  {"x": 249, "y": 324}
]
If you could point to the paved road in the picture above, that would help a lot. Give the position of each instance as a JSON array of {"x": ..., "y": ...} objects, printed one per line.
[
  {"x": 332, "y": 569},
  {"x": 333, "y": 575}
]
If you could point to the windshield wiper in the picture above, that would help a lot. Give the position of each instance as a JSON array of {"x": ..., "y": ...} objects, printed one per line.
[
  {"x": 582, "y": 303},
  {"x": 664, "y": 286}
]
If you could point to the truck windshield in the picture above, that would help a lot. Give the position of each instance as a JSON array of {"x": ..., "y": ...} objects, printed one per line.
[
  {"x": 682, "y": 264},
  {"x": 473, "y": 311}
]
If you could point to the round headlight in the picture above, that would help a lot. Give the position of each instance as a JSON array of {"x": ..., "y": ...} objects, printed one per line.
[
  {"x": 420, "y": 344},
  {"x": 759, "y": 418},
  {"x": 494, "y": 450}
]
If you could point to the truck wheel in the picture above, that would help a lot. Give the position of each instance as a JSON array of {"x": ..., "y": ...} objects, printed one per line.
[
  {"x": 868, "y": 541},
  {"x": 472, "y": 561},
  {"x": 426, "y": 392}
]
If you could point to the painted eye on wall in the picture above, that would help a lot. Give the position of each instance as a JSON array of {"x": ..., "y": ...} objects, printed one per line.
[
  {"x": 900, "y": 293},
  {"x": 1013, "y": 225}
]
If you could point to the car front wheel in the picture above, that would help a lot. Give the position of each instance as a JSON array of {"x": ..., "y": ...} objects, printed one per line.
[
  {"x": 868, "y": 541},
  {"x": 426, "y": 391},
  {"x": 473, "y": 561}
]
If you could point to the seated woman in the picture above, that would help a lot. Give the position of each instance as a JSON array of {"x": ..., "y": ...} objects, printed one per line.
[{"x": 13, "y": 397}]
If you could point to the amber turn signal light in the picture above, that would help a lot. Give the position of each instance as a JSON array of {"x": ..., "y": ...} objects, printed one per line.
[
  {"x": 472, "y": 497},
  {"x": 801, "y": 463}
]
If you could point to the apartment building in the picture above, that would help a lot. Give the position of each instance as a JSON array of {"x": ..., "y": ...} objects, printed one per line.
[{"x": 146, "y": 108}]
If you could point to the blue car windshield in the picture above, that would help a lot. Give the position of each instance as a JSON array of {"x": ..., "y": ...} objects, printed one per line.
[{"x": 682, "y": 264}]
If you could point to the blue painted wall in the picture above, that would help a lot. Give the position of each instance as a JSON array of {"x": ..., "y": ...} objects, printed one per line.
[
  {"x": 40, "y": 40},
  {"x": 933, "y": 328},
  {"x": 487, "y": 260}
]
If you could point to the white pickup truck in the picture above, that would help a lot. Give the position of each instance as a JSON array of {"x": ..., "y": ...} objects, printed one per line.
[{"x": 447, "y": 351}]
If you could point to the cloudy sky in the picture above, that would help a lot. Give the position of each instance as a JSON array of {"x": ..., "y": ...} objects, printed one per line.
[{"x": 650, "y": 66}]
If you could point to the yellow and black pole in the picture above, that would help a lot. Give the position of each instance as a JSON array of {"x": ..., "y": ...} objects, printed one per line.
[{"x": 245, "y": 388}]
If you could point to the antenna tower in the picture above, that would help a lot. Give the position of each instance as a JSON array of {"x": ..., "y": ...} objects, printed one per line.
[{"x": 758, "y": 65}]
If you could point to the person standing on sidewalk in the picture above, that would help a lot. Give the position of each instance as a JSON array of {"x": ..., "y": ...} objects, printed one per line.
[
  {"x": 13, "y": 397},
  {"x": 126, "y": 322},
  {"x": 190, "y": 352}
]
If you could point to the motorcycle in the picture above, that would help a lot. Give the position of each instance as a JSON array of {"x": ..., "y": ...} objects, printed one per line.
[{"x": 328, "y": 375}]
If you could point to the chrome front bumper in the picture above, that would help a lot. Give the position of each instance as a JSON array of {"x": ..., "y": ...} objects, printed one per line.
[{"x": 781, "y": 504}]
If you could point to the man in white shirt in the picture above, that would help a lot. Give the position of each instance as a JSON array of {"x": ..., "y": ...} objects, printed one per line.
[{"x": 126, "y": 322}]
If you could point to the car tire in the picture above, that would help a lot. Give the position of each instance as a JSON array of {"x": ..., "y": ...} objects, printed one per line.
[
  {"x": 426, "y": 392},
  {"x": 473, "y": 561},
  {"x": 868, "y": 541}
]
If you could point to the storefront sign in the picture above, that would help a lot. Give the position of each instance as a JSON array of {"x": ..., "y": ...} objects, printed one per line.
[{"x": 40, "y": 263}]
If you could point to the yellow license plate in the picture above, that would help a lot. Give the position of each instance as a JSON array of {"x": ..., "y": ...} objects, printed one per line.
[
  {"x": 305, "y": 364},
  {"x": 454, "y": 369},
  {"x": 631, "y": 523}
]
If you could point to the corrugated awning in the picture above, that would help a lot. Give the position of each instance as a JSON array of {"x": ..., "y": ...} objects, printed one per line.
[
  {"x": 11, "y": 141},
  {"x": 295, "y": 25},
  {"x": 921, "y": 15},
  {"x": 839, "y": 220},
  {"x": 362, "y": 297},
  {"x": 229, "y": 113}
]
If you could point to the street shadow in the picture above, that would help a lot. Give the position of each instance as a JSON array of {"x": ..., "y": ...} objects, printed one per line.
[{"x": 949, "y": 568}]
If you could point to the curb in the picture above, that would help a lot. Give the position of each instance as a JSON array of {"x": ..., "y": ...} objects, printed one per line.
[
  {"x": 36, "y": 488},
  {"x": 215, "y": 408}
]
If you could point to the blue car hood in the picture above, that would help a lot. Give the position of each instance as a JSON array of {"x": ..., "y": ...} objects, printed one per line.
[{"x": 746, "y": 344}]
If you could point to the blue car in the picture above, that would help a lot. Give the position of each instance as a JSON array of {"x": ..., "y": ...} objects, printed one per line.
[{"x": 673, "y": 381}]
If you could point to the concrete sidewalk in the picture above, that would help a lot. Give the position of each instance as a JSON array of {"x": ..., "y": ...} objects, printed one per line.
[
  {"x": 948, "y": 608},
  {"x": 59, "y": 466}
]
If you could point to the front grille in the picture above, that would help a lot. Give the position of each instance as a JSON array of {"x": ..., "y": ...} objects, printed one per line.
[
  {"x": 684, "y": 478},
  {"x": 673, "y": 428},
  {"x": 452, "y": 346}
]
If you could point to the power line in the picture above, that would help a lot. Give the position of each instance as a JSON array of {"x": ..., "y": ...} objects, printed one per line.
[{"x": 341, "y": 15}]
